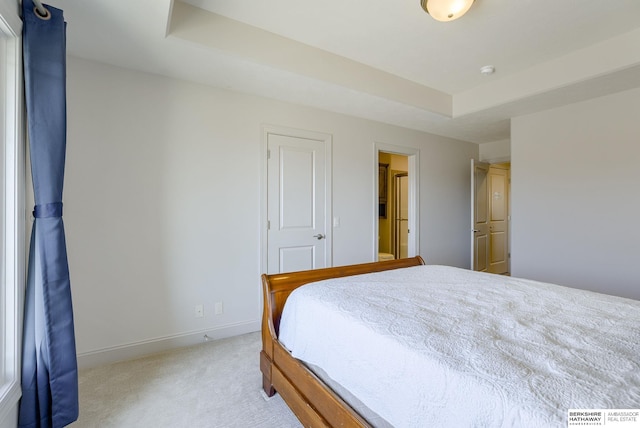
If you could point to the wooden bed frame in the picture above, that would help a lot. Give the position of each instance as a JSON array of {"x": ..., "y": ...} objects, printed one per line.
[{"x": 313, "y": 401}]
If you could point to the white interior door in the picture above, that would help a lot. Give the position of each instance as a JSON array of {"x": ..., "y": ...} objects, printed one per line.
[
  {"x": 298, "y": 231},
  {"x": 498, "y": 220},
  {"x": 402, "y": 216},
  {"x": 479, "y": 216}
]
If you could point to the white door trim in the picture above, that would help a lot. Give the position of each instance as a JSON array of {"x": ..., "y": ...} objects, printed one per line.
[
  {"x": 414, "y": 191},
  {"x": 298, "y": 133}
]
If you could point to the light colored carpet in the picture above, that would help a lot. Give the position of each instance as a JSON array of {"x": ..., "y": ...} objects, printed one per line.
[{"x": 216, "y": 384}]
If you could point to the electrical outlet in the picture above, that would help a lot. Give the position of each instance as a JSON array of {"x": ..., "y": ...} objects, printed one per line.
[
  {"x": 219, "y": 310},
  {"x": 199, "y": 311}
]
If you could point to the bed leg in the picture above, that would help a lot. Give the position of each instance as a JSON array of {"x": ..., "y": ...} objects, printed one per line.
[
  {"x": 265, "y": 368},
  {"x": 268, "y": 388}
]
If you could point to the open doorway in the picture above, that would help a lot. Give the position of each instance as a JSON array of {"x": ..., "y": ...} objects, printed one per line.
[
  {"x": 490, "y": 217},
  {"x": 393, "y": 206},
  {"x": 396, "y": 203}
]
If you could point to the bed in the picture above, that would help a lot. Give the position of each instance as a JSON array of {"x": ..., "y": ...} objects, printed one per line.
[{"x": 444, "y": 347}]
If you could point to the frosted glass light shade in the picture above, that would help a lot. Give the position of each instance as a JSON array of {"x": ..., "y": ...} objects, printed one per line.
[{"x": 446, "y": 10}]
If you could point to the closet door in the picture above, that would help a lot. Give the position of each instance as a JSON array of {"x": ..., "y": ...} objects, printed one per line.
[{"x": 298, "y": 192}]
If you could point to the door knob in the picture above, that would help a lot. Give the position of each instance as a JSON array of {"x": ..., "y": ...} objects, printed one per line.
[
  {"x": 319, "y": 236},
  {"x": 475, "y": 230}
]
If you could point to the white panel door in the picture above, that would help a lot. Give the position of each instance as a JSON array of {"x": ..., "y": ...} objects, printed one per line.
[
  {"x": 402, "y": 216},
  {"x": 498, "y": 220},
  {"x": 479, "y": 216},
  {"x": 297, "y": 195}
]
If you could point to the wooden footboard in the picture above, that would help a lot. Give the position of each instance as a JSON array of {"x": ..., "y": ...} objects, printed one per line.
[{"x": 314, "y": 403}]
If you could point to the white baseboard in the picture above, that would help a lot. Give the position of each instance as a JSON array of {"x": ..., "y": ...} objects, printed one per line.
[{"x": 152, "y": 346}]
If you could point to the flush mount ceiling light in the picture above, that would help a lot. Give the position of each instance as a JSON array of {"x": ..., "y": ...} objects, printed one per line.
[
  {"x": 446, "y": 10},
  {"x": 487, "y": 70}
]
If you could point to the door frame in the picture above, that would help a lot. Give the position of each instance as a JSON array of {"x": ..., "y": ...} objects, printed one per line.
[
  {"x": 413, "y": 156},
  {"x": 265, "y": 131}
]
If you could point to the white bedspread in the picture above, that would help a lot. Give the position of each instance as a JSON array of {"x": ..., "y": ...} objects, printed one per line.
[{"x": 436, "y": 346}]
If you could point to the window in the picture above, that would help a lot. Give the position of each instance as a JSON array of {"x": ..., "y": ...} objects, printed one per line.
[
  {"x": 3, "y": 299},
  {"x": 12, "y": 233}
]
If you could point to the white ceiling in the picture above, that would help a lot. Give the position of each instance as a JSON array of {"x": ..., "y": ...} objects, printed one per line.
[{"x": 377, "y": 59}]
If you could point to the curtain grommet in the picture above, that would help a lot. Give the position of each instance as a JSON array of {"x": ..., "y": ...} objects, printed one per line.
[{"x": 45, "y": 17}]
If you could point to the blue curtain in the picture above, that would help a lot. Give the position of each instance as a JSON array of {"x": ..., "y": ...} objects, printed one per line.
[{"x": 49, "y": 365}]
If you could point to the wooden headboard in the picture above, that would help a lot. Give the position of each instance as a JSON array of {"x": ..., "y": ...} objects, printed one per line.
[{"x": 277, "y": 287}]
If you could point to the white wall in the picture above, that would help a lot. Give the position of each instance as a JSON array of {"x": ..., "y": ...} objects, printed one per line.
[
  {"x": 162, "y": 204},
  {"x": 11, "y": 419},
  {"x": 576, "y": 195},
  {"x": 495, "y": 151}
]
